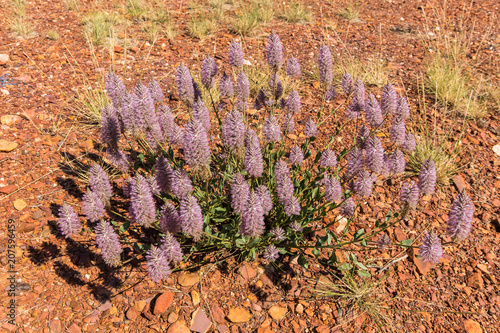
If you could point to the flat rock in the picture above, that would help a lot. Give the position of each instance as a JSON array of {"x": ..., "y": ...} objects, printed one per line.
[
  {"x": 172, "y": 317},
  {"x": 163, "y": 302},
  {"x": 277, "y": 312},
  {"x": 55, "y": 326},
  {"x": 7, "y": 146},
  {"x": 218, "y": 313},
  {"x": 200, "y": 322},
  {"x": 195, "y": 296},
  {"x": 178, "y": 327},
  {"x": 239, "y": 315},
  {"x": 472, "y": 326},
  {"x": 9, "y": 119},
  {"x": 132, "y": 313},
  {"x": 496, "y": 149},
  {"x": 188, "y": 279},
  {"x": 19, "y": 204},
  {"x": 104, "y": 306},
  {"x": 74, "y": 328},
  {"x": 4, "y": 58},
  {"x": 476, "y": 281},
  {"x": 8, "y": 189}
]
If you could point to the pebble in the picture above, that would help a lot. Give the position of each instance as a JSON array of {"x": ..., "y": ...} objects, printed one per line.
[
  {"x": 172, "y": 317},
  {"x": 475, "y": 281},
  {"x": 299, "y": 309},
  {"x": 472, "y": 326},
  {"x": 55, "y": 326},
  {"x": 4, "y": 59},
  {"x": 9, "y": 119},
  {"x": 163, "y": 302},
  {"x": 200, "y": 322},
  {"x": 7, "y": 146},
  {"x": 132, "y": 313},
  {"x": 74, "y": 328},
  {"x": 178, "y": 327},
  {"x": 19, "y": 204},
  {"x": 8, "y": 189},
  {"x": 188, "y": 279},
  {"x": 195, "y": 296},
  {"x": 277, "y": 312},
  {"x": 496, "y": 149},
  {"x": 239, "y": 315}
]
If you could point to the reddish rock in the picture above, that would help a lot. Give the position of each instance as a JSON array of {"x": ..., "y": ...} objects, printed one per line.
[
  {"x": 55, "y": 326},
  {"x": 476, "y": 281},
  {"x": 8, "y": 189},
  {"x": 178, "y": 327},
  {"x": 74, "y": 328},
  {"x": 163, "y": 302},
  {"x": 472, "y": 326},
  {"x": 200, "y": 322},
  {"x": 239, "y": 315},
  {"x": 132, "y": 313},
  {"x": 9, "y": 327},
  {"x": 218, "y": 313},
  {"x": 188, "y": 279}
]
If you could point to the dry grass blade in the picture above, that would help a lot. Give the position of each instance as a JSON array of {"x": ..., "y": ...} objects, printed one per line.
[{"x": 296, "y": 13}]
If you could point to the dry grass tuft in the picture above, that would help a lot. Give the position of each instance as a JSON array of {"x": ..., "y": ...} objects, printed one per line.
[{"x": 296, "y": 13}]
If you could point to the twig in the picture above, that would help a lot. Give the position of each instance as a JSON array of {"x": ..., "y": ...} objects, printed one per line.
[
  {"x": 61, "y": 144},
  {"x": 392, "y": 262},
  {"x": 21, "y": 188}
]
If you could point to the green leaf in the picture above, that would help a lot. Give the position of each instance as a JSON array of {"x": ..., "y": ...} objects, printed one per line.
[
  {"x": 388, "y": 216},
  {"x": 316, "y": 252},
  {"x": 345, "y": 267},
  {"x": 114, "y": 223},
  {"x": 302, "y": 261},
  {"x": 124, "y": 227},
  {"x": 364, "y": 274},
  {"x": 358, "y": 234},
  {"x": 360, "y": 265},
  {"x": 333, "y": 259},
  {"x": 141, "y": 157},
  {"x": 407, "y": 242}
]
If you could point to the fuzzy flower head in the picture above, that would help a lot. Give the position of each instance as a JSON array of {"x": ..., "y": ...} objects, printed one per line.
[
  {"x": 354, "y": 162},
  {"x": 296, "y": 226},
  {"x": 363, "y": 185},
  {"x": 163, "y": 174},
  {"x": 208, "y": 71},
  {"x": 254, "y": 162},
  {"x": 383, "y": 241},
  {"x": 333, "y": 189},
  {"x": 347, "y": 208},
  {"x": 99, "y": 183},
  {"x": 431, "y": 250},
  {"x": 328, "y": 159},
  {"x": 409, "y": 195},
  {"x": 158, "y": 265},
  {"x": 265, "y": 197},
  {"x": 389, "y": 99},
  {"x": 236, "y": 55},
  {"x": 185, "y": 85},
  {"x": 233, "y": 130},
  {"x": 226, "y": 86},
  {"x": 271, "y": 130},
  {"x": 271, "y": 253},
  {"x": 114, "y": 88},
  {"x": 398, "y": 131},
  {"x": 330, "y": 94},
  {"x": 181, "y": 184},
  {"x": 276, "y": 86},
  {"x": 374, "y": 155},
  {"x": 403, "y": 110},
  {"x": 242, "y": 87},
  {"x": 172, "y": 249},
  {"x": 110, "y": 130},
  {"x": 461, "y": 216},
  {"x": 427, "y": 177},
  {"x": 68, "y": 221},
  {"x": 362, "y": 137},
  {"x": 347, "y": 83},
  {"x": 93, "y": 207},
  {"x": 201, "y": 113},
  {"x": 142, "y": 204},
  {"x": 252, "y": 220},
  {"x": 296, "y": 155},
  {"x": 410, "y": 144},
  {"x": 288, "y": 124},
  {"x": 278, "y": 234},
  {"x": 310, "y": 128},
  {"x": 293, "y": 102},
  {"x": 195, "y": 143},
  {"x": 108, "y": 242},
  {"x": 191, "y": 216},
  {"x": 373, "y": 112},
  {"x": 240, "y": 190},
  {"x": 293, "y": 67},
  {"x": 274, "y": 52},
  {"x": 325, "y": 64},
  {"x": 169, "y": 219},
  {"x": 156, "y": 92}
]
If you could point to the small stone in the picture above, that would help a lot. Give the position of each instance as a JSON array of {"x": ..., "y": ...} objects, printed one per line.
[
  {"x": 172, "y": 317},
  {"x": 8, "y": 189},
  {"x": 140, "y": 305},
  {"x": 476, "y": 281},
  {"x": 163, "y": 302},
  {"x": 9, "y": 327},
  {"x": 472, "y": 326},
  {"x": 188, "y": 279},
  {"x": 218, "y": 313},
  {"x": 299, "y": 309},
  {"x": 9, "y": 119},
  {"x": 118, "y": 49},
  {"x": 113, "y": 310},
  {"x": 496, "y": 149},
  {"x": 483, "y": 268},
  {"x": 19, "y": 204},
  {"x": 74, "y": 328},
  {"x": 423, "y": 267},
  {"x": 104, "y": 306},
  {"x": 239, "y": 315},
  {"x": 459, "y": 182},
  {"x": 87, "y": 144},
  {"x": 4, "y": 59},
  {"x": 7, "y": 146},
  {"x": 178, "y": 327},
  {"x": 277, "y": 312},
  {"x": 195, "y": 296},
  {"x": 132, "y": 313},
  {"x": 55, "y": 326},
  {"x": 37, "y": 215},
  {"x": 200, "y": 322}
]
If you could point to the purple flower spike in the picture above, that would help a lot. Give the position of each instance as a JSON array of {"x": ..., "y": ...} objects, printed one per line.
[
  {"x": 115, "y": 88},
  {"x": 242, "y": 87},
  {"x": 325, "y": 64},
  {"x": 389, "y": 99},
  {"x": 254, "y": 163},
  {"x": 208, "y": 71},
  {"x": 347, "y": 83},
  {"x": 169, "y": 219},
  {"x": 93, "y": 207},
  {"x": 172, "y": 249},
  {"x": 239, "y": 193},
  {"x": 333, "y": 189},
  {"x": 233, "y": 130},
  {"x": 261, "y": 99},
  {"x": 201, "y": 114},
  {"x": 181, "y": 184},
  {"x": 374, "y": 155},
  {"x": 328, "y": 159},
  {"x": 292, "y": 206},
  {"x": 271, "y": 130},
  {"x": 281, "y": 171},
  {"x": 163, "y": 174},
  {"x": 383, "y": 242},
  {"x": 310, "y": 129},
  {"x": 241, "y": 105},
  {"x": 158, "y": 265},
  {"x": 99, "y": 183},
  {"x": 354, "y": 162},
  {"x": 347, "y": 208},
  {"x": 431, "y": 250},
  {"x": 397, "y": 163},
  {"x": 236, "y": 55},
  {"x": 119, "y": 159},
  {"x": 267, "y": 202},
  {"x": 362, "y": 138},
  {"x": 461, "y": 216},
  {"x": 403, "y": 110},
  {"x": 363, "y": 185},
  {"x": 274, "y": 52},
  {"x": 185, "y": 85},
  {"x": 142, "y": 204},
  {"x": 276, "y": 86},
  {"x": 108, "y": 242},
  {"x": 110, "y": 131},
  {"x": 226, "y": 86},
  {"x": 330, "y": 94},
  {"x": 358, "y": 100},
  {"x": 427, "y": 177},
  {"x": 296, "y": 226},
  {"x": 195, "y": 143},
  {"x": 68, "y": 221},
  {"x": 288, "y": 123},
  {"x": 278, "y": 234},
  {"x": 166, "y": 122},
  {"x": 191, "y": 216},
  {"x": 409, "y": 195},
  {"x": 293, "y": 67},
  {"x": 373, "y": 112},
  {"x": 293, "y": 102},
  {"x": 156, "y": 92},
  {"x": 271, "y": 253},
  {"x": 153, "y": 185},
  {"x": 398, "y": 131},
  {"x": 410, "y": 143},
  {"x": 252, "y": 220},
  {"x": 296, "y": 155}
]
